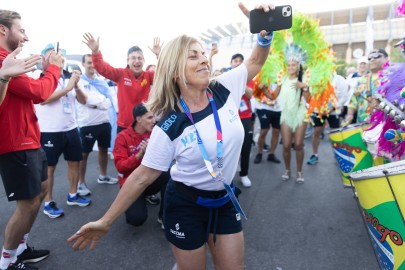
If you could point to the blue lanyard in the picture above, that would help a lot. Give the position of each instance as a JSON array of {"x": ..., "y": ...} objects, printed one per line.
[{"x": 220, "y": 157}]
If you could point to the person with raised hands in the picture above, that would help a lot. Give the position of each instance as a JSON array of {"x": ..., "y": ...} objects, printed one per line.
[
  {"x": 11, "y": 66},
  {"x": 23, "y": 163},
  {"x": 199, "y": 128}
]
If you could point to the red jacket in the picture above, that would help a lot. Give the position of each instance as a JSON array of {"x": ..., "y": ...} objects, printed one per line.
[
  {"x": 131, "y": 90},
  {"x": 126, "y": 146},
  {"x": 18, "y": 122}
]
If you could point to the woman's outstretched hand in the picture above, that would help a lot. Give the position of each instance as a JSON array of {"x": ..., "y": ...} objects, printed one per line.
[{"x": 88, "y": 234}]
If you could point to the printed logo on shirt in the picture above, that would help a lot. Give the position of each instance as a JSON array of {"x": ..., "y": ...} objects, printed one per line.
[
  {"x": 177, "y": 233},
  {"x": 48, "y": 144},
  {"x": 127, "y": 82},
  {"x": 89, "y": 136},
  {"x": 144, "y": 82},
  {"x": 189, "y": 138},
  {"x": 233, "y": 116},
  {"x": 169, "y": 122}
]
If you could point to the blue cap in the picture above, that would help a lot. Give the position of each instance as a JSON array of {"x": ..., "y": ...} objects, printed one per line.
[{"x": 50, "y": 46}]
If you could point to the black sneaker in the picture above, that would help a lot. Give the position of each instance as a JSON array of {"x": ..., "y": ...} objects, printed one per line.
[
  {"x": 20, "y": 265},
  {"x": 258, "y": 159},
  {"x": 152, "y": 199},
  {"x": 30, "y": 255},
  {"x": 273, "y": 158},
  {"x": 266, "y": 148}
]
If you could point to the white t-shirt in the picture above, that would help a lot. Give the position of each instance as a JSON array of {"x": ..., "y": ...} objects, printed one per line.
[
  {"x": 87, "y": 115},
  {"x": 174, "y": 137},
  {"x": 341, "y": 91},
  {"x": 59, "y": 115}
]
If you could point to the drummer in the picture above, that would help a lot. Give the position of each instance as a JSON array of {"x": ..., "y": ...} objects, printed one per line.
[{"x": 367, "y": 86}]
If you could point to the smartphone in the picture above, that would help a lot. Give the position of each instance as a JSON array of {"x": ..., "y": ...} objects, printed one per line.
[
  {"x": 278, "y": 19},
  {"x": 57, "y": 48}
]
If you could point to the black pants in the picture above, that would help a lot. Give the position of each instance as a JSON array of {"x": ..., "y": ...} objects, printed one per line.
[
  {"x": 246, "y": 147},
  {"x": 137, "y": 213}
]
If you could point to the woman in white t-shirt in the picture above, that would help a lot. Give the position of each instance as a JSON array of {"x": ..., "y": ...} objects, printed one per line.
[{"x": 200, "y": 129}]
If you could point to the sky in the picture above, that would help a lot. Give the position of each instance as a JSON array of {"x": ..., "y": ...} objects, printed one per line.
[{"x": 121, "y": 24}]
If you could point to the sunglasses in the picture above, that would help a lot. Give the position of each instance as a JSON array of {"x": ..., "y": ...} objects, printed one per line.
[{"x": 374, "y": 56}]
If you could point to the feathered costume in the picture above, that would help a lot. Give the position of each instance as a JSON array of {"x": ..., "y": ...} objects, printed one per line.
[
  {"x": 304, "y": 40},
  {"x": 392, "y": 85},
  {"x": 401, "y": 8}
]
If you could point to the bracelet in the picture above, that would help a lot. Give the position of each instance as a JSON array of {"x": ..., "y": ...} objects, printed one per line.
[
  {"x": 4, "y": 80},
  {"x": 264, "y": 42}
]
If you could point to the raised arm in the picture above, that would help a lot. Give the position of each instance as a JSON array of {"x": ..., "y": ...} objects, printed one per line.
[
  {"x": 261, "y": 48},
  {"x": 13, "y": 67},
  {"x": 156, "y": 47},
  {"x": 91, "y": 42}
]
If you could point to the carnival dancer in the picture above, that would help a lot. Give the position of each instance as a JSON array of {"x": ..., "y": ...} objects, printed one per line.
[{"x": 299, "y": 93}]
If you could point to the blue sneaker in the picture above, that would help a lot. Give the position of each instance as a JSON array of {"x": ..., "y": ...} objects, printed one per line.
[
  {"x": 52, "y": 211},
  {"x": 78, "y": 200},
  {"x": 312, "y": 160}
]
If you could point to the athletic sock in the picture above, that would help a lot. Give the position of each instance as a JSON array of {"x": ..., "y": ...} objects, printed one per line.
[
  {"x": 7, "y": 257},
  {"x": 71, "y": 195},
  {"x": 23, "y": 245}
]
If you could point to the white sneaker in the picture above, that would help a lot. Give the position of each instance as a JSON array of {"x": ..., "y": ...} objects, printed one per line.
[
  {"x": 107, "y": 180},
  {"x": 83, "y": 190},
  {"x": 245, "y": 181}
]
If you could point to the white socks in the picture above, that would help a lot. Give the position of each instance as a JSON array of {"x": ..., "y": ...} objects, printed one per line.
[
  {"x": 23, "y": 245},
  {"x": 7, "y": 257},
  {"x": 10, "y": 256}
]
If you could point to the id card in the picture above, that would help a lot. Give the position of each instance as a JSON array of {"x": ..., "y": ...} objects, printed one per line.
[
  {"x": 67, "y": 106},
  {"x": 243, "y": 106}
]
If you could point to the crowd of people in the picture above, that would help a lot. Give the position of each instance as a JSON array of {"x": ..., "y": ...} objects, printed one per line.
[{"x": 182, "y": 130}]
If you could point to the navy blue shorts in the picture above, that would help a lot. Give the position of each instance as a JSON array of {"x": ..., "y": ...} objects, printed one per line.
[
  {"x": 66, "y": 142},
  {"x": 188, "y": 225},
  {"x": 267, "y": 118},
  {"x": 100, "y": 133},
  {"x": 22, "y": 173}
]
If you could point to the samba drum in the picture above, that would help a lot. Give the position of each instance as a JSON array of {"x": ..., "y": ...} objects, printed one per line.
[
  {"x": 381, "y": 196},
  {"x": 350, "y": 150}
]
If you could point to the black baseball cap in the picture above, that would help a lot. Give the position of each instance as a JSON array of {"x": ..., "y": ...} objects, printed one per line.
[
  {"x": 382, "y": 51},
  {"x": 139, "y": 110}
]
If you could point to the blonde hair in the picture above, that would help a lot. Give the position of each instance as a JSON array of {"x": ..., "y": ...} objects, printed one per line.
[{"x": 170, "y": 66}]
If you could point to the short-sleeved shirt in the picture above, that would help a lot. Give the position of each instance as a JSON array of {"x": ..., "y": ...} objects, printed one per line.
[
  {"x": 367, "y": 86},
  {"x": 174, "y": 137}
]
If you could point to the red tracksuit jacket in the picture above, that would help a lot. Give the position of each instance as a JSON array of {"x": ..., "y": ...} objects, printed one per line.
[
  {"x": 131, "y": 90},
  {"x": 18, "y": 122}
]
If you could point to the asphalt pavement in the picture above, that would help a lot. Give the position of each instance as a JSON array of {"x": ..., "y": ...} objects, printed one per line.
[{"x": 310, "y": 226}]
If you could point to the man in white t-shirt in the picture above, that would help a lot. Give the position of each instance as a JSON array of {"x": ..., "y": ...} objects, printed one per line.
[
  {"x": 59, "y": 134},
  {"x": 94, "y": 123}
]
